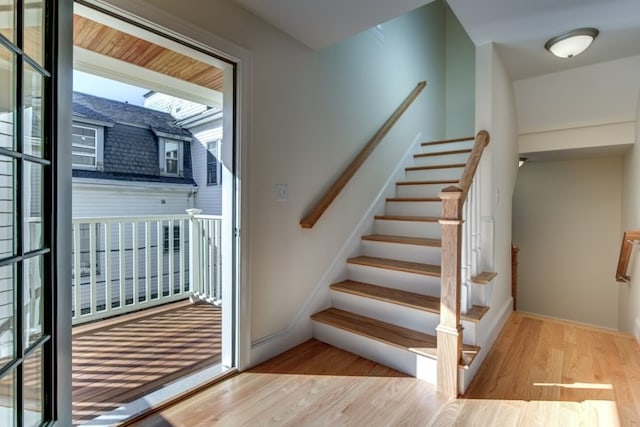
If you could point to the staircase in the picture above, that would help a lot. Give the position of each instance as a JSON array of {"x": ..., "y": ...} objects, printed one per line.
[{"x": 389, "y": 307}]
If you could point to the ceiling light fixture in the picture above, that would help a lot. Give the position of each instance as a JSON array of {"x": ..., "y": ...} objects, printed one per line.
[{"x": 571, "y": 43}]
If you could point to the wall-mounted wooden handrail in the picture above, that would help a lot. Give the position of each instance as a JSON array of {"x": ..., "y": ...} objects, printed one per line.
[
  {"x": 625, "y": 255},
  {"x": 322, "y": 205}
]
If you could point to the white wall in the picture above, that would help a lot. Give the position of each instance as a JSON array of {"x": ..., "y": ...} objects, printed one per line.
[
  {"x": 566, "y": 221},
  {"x": 311, "y": 111},
  {"x": 591, "y": 106},
  {"x": 629, "y": 295},
  {"x": 460, "y": 79},
  {"x": 495, "y": 112}
]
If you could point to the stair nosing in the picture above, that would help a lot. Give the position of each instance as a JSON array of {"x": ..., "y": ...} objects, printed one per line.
[
  {"x": 398, "y": 332},
  {"x": 435, "y": 182},
  {"x": 433, "y": 167},
  {"x": 404, "y": 240},
  {"x": 407, "y": 218},
  {"x": 442, "y": 153},
  {"x": 413, "y": 199},
  {"x": 448, "y": 141},
  {"x": 388, "y": 264},
  {"x": 479, "y": 311}
]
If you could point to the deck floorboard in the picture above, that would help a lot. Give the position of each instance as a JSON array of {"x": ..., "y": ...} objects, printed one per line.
[{"x": 120, "y": 360}]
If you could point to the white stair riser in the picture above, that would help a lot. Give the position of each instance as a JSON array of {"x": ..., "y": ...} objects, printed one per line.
[
  {"x": 461, "y": 145},
  {"x": 433, "y": 174},
  {"x": 410, "y": 318},
  {"x": 407, "y": 228},
  {"x": 424, "y": 190},
  {"x": 413, "y": 253},
  {"x": 405, "y": 361},
  {"x": 480, "y": 294},
  {"x": 410, "y": 282},
  {"x": 414, "y": 208},
  {"x": 445, "y": 159}
]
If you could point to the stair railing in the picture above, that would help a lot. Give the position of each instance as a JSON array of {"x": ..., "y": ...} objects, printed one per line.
[
  {"x": 454, "y": 213},
  {"x": 323, "y": 204},
  {"x": 629, "y": 239}
]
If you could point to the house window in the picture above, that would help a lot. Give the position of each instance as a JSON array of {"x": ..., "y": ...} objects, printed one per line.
[
  {"x": 214, "y": 173},
  {"x": 85, "y": 248},
  {"x": 84, "y": 146},
  {"x": 171, "y": 157},
  {"x": 176, "y": 238}
]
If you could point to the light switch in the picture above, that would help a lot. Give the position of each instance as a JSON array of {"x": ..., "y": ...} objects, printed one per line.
[{"x": 282, "y": 192}]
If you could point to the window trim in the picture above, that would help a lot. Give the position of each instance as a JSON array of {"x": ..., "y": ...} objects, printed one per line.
[
  {"x": 99, "y": 147},
  {"x": 218, "y": 164},
  {"x": 162, "y": 156}
]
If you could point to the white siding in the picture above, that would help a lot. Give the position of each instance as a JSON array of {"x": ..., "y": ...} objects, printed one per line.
[
  {"x": 95, "y": 201},
  {"x": 178, "y": 108}
]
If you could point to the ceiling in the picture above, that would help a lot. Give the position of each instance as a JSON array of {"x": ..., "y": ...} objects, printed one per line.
[
  {"x": 108, "y": 41},
  {"x": 518, "y": 27}
]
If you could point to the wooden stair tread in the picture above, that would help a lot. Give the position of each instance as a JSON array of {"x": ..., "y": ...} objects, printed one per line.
[
  {"x": 447, "y": 141},
  {"x": 407, "y": 299},
  {"x": 441, "y": 153},
  {"x": 417, "y": 241},
  {"x": 396, "y": 265},
  {"x": 436, "y": 182},
  {"x": 414, "y": 199},
  {"x": 432, "y": 167},
  {"x": 484, "y": 278},
  {"x": 397, "y": 336},
  {"x": 407, "y": 218}
]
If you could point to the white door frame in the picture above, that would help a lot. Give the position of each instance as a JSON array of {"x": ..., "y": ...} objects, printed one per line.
[{"x": 177, "y": 34}]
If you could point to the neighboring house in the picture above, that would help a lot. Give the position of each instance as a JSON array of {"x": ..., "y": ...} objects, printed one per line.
[
  {"x": 128, "y": 160},
  {"x": 205, "y": 123}
]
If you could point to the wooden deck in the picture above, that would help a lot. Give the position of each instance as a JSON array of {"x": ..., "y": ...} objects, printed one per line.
[{"x": 119, "y": 360}]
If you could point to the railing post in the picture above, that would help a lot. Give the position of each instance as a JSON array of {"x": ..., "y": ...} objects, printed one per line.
[
  {"x": 195, "y": 282},
  {"x": 449, "y": 331}
]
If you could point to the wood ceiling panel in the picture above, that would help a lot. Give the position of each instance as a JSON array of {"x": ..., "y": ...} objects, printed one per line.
[{"x": 99, "y": 38}]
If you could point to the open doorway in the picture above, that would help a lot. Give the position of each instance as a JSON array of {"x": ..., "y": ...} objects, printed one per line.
[{"x": 153, "y": 216}]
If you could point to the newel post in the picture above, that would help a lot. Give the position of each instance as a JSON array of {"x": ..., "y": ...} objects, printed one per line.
[
  {"x": 449, "y": 331},
  {"x": 194, "y": 251}
]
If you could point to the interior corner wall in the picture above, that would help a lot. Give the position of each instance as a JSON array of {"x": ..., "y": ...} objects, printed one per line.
[
  {"x": 460, "y": 75},
  {"x": 566, "y": 221},
  {"x": 629, "y": 294},
  {"x": 495, "y": 112},
  {"x": 311, "y": 112}
]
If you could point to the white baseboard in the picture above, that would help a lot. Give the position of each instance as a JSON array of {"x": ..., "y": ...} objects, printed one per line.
[{"x": 300, "y": 329}]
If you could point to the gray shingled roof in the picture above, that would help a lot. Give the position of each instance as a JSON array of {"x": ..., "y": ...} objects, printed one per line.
[{"x": 130, "y": 140}]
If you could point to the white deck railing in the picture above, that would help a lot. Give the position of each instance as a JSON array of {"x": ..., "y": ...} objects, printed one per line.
[
  {"x": 470, "y": 254},
  {"x": 125, "y": 264}
]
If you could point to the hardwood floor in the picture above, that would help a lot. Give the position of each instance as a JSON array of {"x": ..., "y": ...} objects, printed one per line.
[
  {"x": 547, "y": 361},
  {"x": 313, "y": 384},
  {"x": 540, "y": 372},
  {"x": 121, "y": 359}
]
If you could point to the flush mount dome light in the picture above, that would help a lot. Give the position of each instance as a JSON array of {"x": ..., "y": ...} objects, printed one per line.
[{"x": 571, "y": 43}]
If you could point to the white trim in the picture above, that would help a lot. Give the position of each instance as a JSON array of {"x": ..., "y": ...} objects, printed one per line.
[
  {"x": 152, "y": 16},
  {"x": 300, "y": 328}
]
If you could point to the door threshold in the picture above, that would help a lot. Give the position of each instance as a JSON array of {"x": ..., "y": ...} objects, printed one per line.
[{"x": 166, "y": 396}]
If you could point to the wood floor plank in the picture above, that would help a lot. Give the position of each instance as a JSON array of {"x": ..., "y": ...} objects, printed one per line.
[{"x": 434, "y": 182}]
